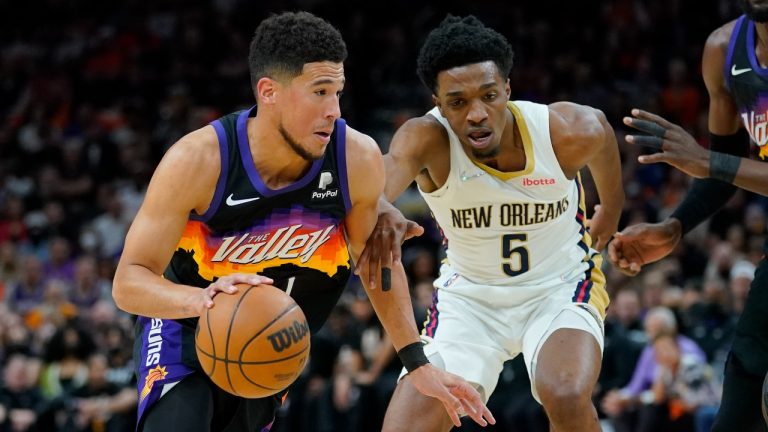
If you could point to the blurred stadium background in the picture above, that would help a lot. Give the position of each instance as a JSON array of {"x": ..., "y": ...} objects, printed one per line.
[{"x": 93, "y": 92}]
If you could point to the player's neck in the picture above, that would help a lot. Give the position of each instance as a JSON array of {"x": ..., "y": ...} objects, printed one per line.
[
  {"x": 276, "y": 162},
  {"x": 511, "y": 155}
]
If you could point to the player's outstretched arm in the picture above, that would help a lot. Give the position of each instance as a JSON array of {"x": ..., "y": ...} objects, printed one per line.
[
  {"x": 645, "y": 243},
  {"x": 394, "y": 307},
  {"x": 184, "y": 181},
  {"x": 412, "y": 142}
]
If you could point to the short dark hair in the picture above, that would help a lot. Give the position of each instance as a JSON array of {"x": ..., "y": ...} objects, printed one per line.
[
  {"x": 283, "y": 43},
  {"x": 458, "y": 42}
]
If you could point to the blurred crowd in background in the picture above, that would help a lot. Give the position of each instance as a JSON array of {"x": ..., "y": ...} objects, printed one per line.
[{"x": 92, "y": 93}]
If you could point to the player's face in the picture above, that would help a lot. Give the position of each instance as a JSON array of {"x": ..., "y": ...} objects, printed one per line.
[
  {"x": 473, "y": 98},
  {"x": 309, "y": 106},
  {"x": 756, "y": 10}
]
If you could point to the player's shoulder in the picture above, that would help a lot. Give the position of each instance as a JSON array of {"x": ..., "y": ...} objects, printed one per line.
[
  {"x": 365, "y": 166},
  {"x": 427, "y": 127},
  {"x": 715, "y": 53},
  {"x": 364, "y": 151},
  {"x": 197, "y": 151},
  {"x": 421, "y": 134},
  {"x": 570, "y": 120},
  {"x": 721, "y": 36},
  {"x": 361, "y": 145}
]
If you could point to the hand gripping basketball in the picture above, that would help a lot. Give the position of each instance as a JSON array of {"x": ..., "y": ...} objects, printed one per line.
[
  {"x": 253, "y": 343},
  {"x": 226, "y": 284}
]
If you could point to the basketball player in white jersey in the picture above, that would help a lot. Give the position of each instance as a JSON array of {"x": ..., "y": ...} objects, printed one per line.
[{"x": 522, "y": 273}]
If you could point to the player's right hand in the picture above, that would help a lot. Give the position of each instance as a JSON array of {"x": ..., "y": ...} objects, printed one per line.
[
  {"x": 642, "y": 244},
  {"x": 383, "y": 245},
  {"x": 226, "y": 284},
  {"x": 457, "y": 395}
]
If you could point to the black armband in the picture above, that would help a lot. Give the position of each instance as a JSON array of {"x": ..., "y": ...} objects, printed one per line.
[
  {"x": 736, "y": 144},
  {"x": 723, "y": 166},
  {"x": 707, "y": 196},
  {"x": 412, "y": 356},
  {"x": 702, "y": 201}
]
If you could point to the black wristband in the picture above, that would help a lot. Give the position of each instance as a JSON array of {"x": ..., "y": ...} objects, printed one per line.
[
  {"x": 708, "y": 195},
  {"x": 412, "y": 356},
  {"x": 723, "y": 166}
]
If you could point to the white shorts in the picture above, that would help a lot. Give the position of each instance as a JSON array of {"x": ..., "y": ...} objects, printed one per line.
[{"x": 473, "y": 337}]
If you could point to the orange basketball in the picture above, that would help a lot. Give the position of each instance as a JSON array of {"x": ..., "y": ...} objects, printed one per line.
[{"x": 253, "y": 343}]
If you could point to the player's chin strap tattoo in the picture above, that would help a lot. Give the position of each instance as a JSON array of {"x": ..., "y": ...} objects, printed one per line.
[
  {"x": 412, "y": 356},
  {"x": 653, "y": 141}
]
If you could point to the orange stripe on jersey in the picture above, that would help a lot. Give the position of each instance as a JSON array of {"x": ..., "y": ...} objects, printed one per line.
[{"x": 318, "y": 246}]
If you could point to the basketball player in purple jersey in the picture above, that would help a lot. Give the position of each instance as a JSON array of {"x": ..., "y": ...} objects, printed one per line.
[
  {"x": 736, "y": 77},
  {"x": 283, "y": 193}
]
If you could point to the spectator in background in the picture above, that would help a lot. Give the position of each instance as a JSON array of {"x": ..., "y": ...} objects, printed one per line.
[
  {"x": 626, "y": 310},
  {"x": 741, "y": 275},
  {"x": 65, "y": 358},
  {"x": 60, "y": 264},
  {"x": 10, "y": 265},
  {"x": 21, "y": 402},
  {"x": 624, "y": 340},
  {"x": 111, "y": 225},
  {"x": 683, "y": 390},
  {"x": 26, "y": 293},
  {"x": 709, "y": 320},
  {"x": 100, "y": 405},
  {"x": 87, "y": 287},
  {"x": 12, "y": 225},
  {"x": 630, "y": 407},
  {"x": 54, "y": 311}
]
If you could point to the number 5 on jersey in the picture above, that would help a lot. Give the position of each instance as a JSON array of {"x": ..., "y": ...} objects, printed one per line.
[{"x": 517, "y": 256}]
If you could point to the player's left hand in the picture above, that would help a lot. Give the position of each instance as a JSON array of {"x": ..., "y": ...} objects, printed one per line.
[
  {"x": 383, "y": 246},
  {"x": 457, "y": 395},
  {"x": 673, "y": 145},
  {"x": 602, "y": 227}
]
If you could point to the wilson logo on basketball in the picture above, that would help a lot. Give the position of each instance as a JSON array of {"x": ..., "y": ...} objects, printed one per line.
[
  {"x": 285, "y": 337},
  {"x": 538, "y": 182},
  {"x": 284, "y": 244}
]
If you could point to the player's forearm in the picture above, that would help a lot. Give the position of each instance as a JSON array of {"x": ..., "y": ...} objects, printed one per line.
[
  {"x": 137, "y": 290},
  {"x": 726, "y": 166},
  {"x": 752, "y": 176},
  {"x": 395, "y": 310},
  {"x": 605, "y": 168},
  {"x": 400, "y": 173}
]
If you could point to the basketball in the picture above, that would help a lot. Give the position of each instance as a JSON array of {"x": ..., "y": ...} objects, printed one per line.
[{"x": 253, "y": 343}]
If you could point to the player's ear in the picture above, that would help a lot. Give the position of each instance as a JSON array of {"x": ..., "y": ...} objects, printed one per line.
[
  {"x": 436, "y": 101},
  {"x": 507, "y": 88},
  {"x": 266, "y": 91}
]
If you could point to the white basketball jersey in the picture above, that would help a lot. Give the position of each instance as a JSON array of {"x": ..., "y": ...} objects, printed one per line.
[{"x": 523, "y": 228}]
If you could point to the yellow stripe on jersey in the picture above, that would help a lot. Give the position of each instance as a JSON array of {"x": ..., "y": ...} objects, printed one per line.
[
  {"x": 527, "y": 147},
  {"x": 598, "y": 295}
]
